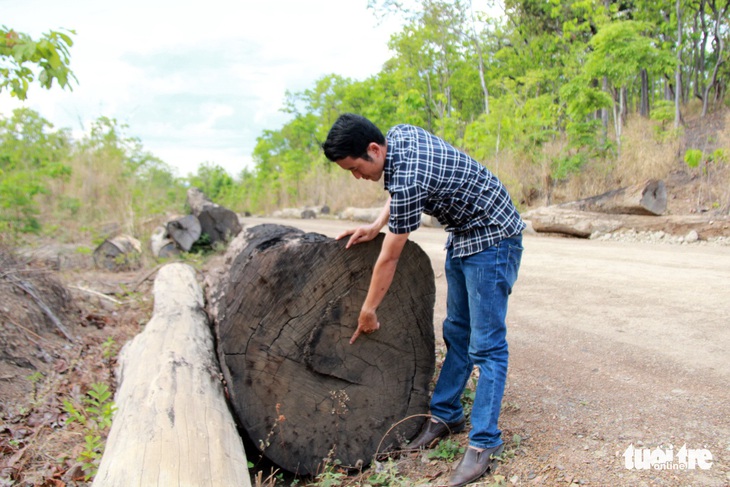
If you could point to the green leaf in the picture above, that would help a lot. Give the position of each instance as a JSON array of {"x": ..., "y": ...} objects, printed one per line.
[{"x": 693, "y": 157}]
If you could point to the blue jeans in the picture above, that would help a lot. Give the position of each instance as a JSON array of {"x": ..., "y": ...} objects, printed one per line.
[{"x": 475, "y": 333}]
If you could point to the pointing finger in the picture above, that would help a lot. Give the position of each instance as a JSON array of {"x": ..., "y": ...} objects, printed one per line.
[{"x": 355, "y": 335}]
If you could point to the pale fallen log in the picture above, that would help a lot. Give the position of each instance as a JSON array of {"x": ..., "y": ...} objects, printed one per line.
[
  {"x": 584, "y": 224},
  {"x": 172, "y": 425},
  {"x": 367, "y": 215},
  {"x": 645, "y": 198}
]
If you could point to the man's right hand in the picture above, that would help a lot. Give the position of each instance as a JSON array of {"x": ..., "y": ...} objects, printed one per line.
[{"x": 367, "y": 323}]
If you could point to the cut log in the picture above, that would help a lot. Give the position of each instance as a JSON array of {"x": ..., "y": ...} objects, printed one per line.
[
  {"x": 120, "y": 253},
  {"x": 584, "y": 224},
  {"x": 184, "y": 231},
  {"x": 284, "y": 306},
  {"x": 161, "y": 245},
  {"x": 647, "y": 198},
  {"x": 368, "y": 215},
  {"x": 308, "y": 214},
  {"x": 172, "y": 425},
  {"x": 219, "y": 223}
]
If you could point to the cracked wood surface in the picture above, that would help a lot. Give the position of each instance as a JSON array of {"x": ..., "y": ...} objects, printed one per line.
[{"x": 284, "y": 307}]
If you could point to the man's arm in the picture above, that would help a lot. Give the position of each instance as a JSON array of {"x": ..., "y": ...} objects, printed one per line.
[{"x": 383, "y": 273}]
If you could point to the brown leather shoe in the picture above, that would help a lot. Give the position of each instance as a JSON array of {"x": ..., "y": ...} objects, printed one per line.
[
  {"x": 475, "y": 464},
  {"x": 432, "y": 432}
]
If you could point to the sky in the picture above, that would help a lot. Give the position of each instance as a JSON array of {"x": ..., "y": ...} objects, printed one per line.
[{"x": 196, "y": 81}]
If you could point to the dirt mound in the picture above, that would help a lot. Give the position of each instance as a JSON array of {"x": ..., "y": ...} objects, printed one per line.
[
  {"x": 34, "y": 303},
  {"x": 56, "y": 340}
]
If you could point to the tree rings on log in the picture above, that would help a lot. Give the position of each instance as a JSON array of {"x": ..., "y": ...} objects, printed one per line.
[
  {"x": 285, "y": 306},
  {"x": 120, "y": 253}
]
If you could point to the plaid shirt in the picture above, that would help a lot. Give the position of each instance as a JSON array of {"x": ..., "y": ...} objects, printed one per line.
[{"x": 424, "y": 174}]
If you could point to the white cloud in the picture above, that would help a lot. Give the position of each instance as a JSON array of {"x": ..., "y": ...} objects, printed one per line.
[{"x": 197, "y": 81}]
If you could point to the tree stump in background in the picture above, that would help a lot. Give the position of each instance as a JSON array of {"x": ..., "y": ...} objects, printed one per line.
[
  {"x": 161, "y": 245},
  {"x": 219, "y": 223},
  {"x": 284, "y": 306},
  {"x": 120, "y": 253},
  {"x": 184, "y": 231}
]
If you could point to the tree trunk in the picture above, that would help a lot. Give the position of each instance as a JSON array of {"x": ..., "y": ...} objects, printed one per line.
[
  {"x": 161, "y": 245},
  {"x": 185, "y": 231},
  {"x": 621, "y": 118},
  {"x": 172, "y": 425},
  {"x": 120, "y": 253},
  {"x": 604, "y": 113},
  {"x": 219, "y": 223},
  {"x": 644, "y": 106},
  {"x": 701, "y": 48},
  {"x": 475, "y": 39},
  {"x": 617, "y": 115},
  {"x": 285, "y": 306},
  {"x": 678, "y": 72},
  {"x": 647, "y": 198},
  {"x": 719, "y": 56},
  {"x": 583, "y": 224}
]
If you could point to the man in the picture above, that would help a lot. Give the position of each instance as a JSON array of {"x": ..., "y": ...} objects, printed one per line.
[{"x": 424, "y": 174}]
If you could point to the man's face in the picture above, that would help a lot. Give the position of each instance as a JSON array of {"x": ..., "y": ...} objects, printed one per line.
[{"x": 363, "y": 169}]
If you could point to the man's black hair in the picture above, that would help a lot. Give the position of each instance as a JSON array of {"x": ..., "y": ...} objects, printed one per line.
[{"x": 350, "y": 136}]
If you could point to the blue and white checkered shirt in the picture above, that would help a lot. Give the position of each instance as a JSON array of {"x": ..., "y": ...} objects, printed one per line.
[{"x": 424, "y": 174}]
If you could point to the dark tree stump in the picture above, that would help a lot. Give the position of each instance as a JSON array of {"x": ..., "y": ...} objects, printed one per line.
[
  {"x": 120, "y": 253},
  {"x": 218, "y": 222},
  {"x": 285, "y": 306}
]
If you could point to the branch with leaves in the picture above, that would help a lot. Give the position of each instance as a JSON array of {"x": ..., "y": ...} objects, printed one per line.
[{"x": 21, "y": 56}]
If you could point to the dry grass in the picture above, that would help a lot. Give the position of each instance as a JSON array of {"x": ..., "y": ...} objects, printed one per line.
[
  {"x": 649, "y": 151},
  {"x": 97, "y": 201},
  {"x": 723, "y": 185},
  {"x": 331, "y": 186},
  {"x": 645, "y": 154}
]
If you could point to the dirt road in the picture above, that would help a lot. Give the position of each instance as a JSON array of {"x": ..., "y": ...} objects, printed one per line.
[{"x": 612, "y": 345}]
